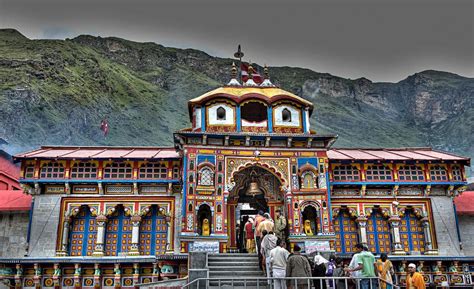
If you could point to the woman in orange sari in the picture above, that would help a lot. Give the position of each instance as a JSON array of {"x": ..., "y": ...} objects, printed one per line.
[{"x": 385, "y": 269}]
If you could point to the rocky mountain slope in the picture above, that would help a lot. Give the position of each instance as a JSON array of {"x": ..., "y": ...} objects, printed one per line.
[{"x": 58, "y": 91}]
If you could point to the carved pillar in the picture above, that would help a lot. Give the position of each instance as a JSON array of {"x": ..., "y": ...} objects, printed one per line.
[
  {"x": 97, "y": 276},
  {"x": 136, "y": 274},
  {"x": 99, "y": 243},
  {"x": 77, "y": 276},
  {"x": 136, "y": 220},
  {"x": 117, "y": 276},
  {"x": 362, "y": 225},
  {"x": 428, "y": 241},
  {"x": 57, "y": 276},
  {"x": 156, "y": 272},
  {"x": 101, "y": 188},
  {"x": 394, "y": 222},
  {"x": 18, "y": 276},
  {"x": 37, "y": 277},
  {"x": 65, "y": 238}
]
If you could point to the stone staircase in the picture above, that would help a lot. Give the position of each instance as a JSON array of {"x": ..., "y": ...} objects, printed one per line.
[{"x": 234, "y": 266}]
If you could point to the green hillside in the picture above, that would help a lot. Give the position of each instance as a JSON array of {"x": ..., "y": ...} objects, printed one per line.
[{"x": 58, "y": 91}]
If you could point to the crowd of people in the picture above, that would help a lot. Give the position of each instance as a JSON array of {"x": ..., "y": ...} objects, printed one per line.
[{"x": 267, "y": 238}]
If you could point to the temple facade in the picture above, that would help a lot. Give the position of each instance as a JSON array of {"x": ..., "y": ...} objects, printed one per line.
[{"x": 111, "y": 217}]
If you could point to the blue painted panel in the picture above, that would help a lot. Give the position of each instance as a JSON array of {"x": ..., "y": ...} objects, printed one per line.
[
  {"x": 203, "y": 118},
  {"x": 206, "y": 158},
  {"x": 305, "y": 129},
  {"x": 185, "y": 178},
  {"x": 238, "y": 119},
  {"x": 270, "y": 119},
  {"x": 311, "y": 161}
]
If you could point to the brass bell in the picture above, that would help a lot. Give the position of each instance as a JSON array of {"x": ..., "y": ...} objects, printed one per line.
[{"x": 253, "y": 189}]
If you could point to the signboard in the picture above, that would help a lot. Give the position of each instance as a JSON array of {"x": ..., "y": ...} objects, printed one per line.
[
  {"x": 205, "y": 246},
  {"x": 84, "y": 189},
  {"x": 316, "y": 246}
]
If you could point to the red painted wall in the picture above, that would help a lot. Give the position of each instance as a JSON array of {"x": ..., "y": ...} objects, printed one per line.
[{"x": 9, "y": 173}]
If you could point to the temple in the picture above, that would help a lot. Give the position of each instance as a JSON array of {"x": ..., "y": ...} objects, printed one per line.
[{"x": 112, "y": 217}]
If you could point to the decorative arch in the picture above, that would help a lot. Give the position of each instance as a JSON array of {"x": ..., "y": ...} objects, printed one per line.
[
  {"x": 206, "y": 175},
  {"x": 204, "y": 212},
  {"x": 311, "y": 211},
  {"x": 264, "y": 166},
  {"x": 412, "y": 234},
  {"x": 82, "y": 234},
  {"x": 153, "y": 231},
  {"x": 378, "y": 230},
  {"x": 346, "y": 229},
  {"x": 118, "y": 235}
]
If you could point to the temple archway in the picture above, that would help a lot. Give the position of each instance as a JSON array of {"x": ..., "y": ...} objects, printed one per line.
[{"x": 256, "y": 189}]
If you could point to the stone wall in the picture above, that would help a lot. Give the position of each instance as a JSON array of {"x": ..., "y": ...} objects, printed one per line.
[
  {"x": 13, "y": 232},
  {"x": 445, "y": 226},
  {"x": 44, "y": 227},
  {"x": 466, "y": 227}
]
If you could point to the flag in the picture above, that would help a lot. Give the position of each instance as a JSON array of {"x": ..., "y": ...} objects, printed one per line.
[
  {"x": 257, "y": 78},
  {"x": 104, "y": 126}
]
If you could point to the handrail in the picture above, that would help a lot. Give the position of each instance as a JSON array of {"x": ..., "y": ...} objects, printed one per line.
[{"x": 270, "y": 281}]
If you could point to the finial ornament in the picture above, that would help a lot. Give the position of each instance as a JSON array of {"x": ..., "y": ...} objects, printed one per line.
[
  {"x": 233, "y": 81},
  {"x": 266, "y": 78},
  {"x": 250, "y": 72}
]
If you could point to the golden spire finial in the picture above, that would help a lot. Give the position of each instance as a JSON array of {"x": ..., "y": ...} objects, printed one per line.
[
  {"x": 250, "y": 69},
  {"x": 234, "y": 70},
  {"x": 265, "y": 72}
]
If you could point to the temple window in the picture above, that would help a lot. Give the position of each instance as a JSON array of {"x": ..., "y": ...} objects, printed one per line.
[
  {"x": 176, "y": 172},
  {"x": 346, "y": 173},
  {"x": 153, "y": 171},
  {"x": 457, "y": 173},
  {"x": 410, "y": 173},
  {"x": 286, "y": 115},
  {"x": 254, "y": 112},
  {"x": 118, "y": 236},
  {"x": 118, "y": 171},
  {"x": 220, "y": 112},
  {"x": 411, "y": 233},
  {"x": 82, "y": 235},
  {"x": 191, "y": 190},
  {"x": 153, "y": 233},
  {"x": 378, "y": 233},
  {"x": 30, "y": 171},
  {"x": 379, "y": 173},
  {"x": 191, "y": 165},
  {"x": 345, "y": 228},
  {"x": 308, "y": 180},
  {"x": 438, "y": 173},
  {"x": 191, "y": 178},
  {"x": 206, "y": 177},
  {"x": 84, "y": 170},
  {"x": 52, "y": 170}
]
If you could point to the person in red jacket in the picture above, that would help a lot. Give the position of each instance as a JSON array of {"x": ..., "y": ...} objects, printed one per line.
[{"x": 249, "y": 236}]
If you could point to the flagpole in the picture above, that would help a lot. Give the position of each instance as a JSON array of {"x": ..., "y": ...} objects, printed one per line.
[{"x": 239, "y": 54}]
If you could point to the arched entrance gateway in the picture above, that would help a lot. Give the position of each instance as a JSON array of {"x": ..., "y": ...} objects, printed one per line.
[{"x": 256, "y": 189}]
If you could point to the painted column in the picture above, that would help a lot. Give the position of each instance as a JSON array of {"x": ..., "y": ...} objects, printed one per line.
[
  {"x": 77, "y": 275},
  {"x": 428, "y": 242},
  {"x": 362, "y": 222},
  {"x": 37, "y": 277},
  {"x": 136, "y": 220},
  {"x": 57, "y": 276},
  {"x": 270, "y": 119},
  {"x": 18, "y": 276},
  {"x": 136, "y": 274},
  {"x": 117, "y": 276},
  {"x": 97, "y": 276},
  {"x": 99, "y": 243},
  {"x": 65, "y": 238},
  {"x": 394, "y": 222}
]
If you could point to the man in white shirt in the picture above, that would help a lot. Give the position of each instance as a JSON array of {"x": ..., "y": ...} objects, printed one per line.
[{"x": 278, "y": 261}]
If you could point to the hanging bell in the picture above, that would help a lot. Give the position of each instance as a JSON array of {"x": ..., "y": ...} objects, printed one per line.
[{"x": 253, "y": 190}]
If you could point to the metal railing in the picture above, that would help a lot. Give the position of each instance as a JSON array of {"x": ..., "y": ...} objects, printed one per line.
[{"x": 290, "y": 282}]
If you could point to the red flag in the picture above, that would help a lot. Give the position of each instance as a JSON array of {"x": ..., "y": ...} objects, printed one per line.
[
  {"x": 104, "y": 126},
  {"x": 257, "y": 78}
]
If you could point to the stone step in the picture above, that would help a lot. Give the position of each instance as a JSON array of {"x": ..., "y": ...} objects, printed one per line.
[
  {"x": 229, "y": 258},
  {"x": 238, "y": 284},
  {"x": 232, "y": 268},
  {"x": 233, "y": 255},
  {"x": 233, "y": 264},
  {"x": 233, "y": 274}
]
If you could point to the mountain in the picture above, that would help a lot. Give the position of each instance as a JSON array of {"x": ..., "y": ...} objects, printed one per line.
[{"x": 58, "y": 91}]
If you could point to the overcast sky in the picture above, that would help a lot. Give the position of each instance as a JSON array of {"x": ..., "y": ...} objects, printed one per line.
[{"x": 383, "y": 40}]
